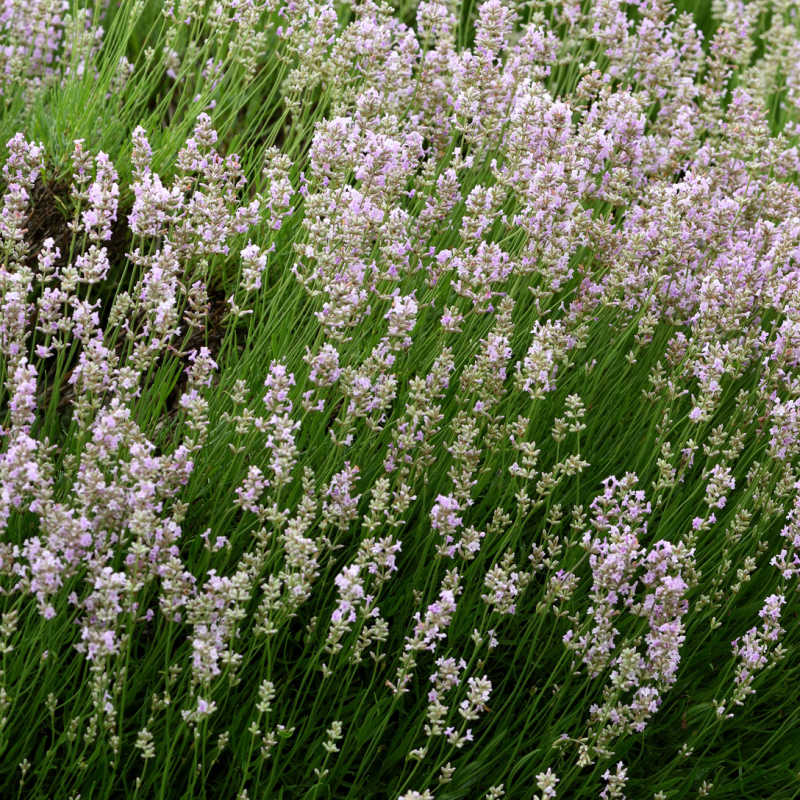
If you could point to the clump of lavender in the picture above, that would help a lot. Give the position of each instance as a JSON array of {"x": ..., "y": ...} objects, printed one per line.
[{"x": 400, "y": 398}]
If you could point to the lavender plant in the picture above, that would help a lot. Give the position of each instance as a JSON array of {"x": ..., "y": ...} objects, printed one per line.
[{"x": 399, "y": 401}]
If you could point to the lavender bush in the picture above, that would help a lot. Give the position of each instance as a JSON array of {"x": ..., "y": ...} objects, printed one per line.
[{"x": 399, "y": 401}]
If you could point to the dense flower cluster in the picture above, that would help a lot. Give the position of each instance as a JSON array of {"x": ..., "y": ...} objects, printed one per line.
[{"x": 312, "y": 428}]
